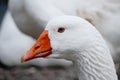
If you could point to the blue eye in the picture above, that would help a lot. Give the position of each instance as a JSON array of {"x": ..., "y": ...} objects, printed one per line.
[{"x": 61, "y": 30}]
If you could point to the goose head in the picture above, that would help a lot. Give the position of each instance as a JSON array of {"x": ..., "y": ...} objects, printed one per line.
[
  {"x": 75, "y": 39},
  {"x": 63, "y": 37}
]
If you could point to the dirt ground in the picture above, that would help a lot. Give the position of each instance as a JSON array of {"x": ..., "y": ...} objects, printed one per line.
[
  {"x": 35, "y": 73},
  {"x": 43, "y": 73}
]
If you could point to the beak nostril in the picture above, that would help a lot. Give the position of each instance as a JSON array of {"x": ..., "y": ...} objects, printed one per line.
[{"x": 37, "y": 47}]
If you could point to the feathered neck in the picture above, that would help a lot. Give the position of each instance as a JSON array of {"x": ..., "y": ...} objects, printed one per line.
[{"x": 95, "y": 63}]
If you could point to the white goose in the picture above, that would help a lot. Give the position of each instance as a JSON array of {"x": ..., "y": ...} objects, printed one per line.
[
  {"x": 75, "y": 39},
  {"x": 13, "y": 44}
]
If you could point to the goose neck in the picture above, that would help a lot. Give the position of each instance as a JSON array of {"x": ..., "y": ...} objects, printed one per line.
[{"x": 94, "y": 64}]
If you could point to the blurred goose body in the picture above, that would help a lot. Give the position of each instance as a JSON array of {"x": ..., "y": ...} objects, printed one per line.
[{"x": 32, "y": 15}]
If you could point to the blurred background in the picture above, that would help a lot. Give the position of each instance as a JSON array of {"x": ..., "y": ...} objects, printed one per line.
[
  {"x": 3, "y": 7},
  {"x": 23, "y": 20}
]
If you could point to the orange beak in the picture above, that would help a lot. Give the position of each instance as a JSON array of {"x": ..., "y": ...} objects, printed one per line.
[{"x": 41, "y": 48}]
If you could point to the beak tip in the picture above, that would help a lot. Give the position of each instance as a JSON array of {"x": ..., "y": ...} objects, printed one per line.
[
  {"x": 22, "y": 59},
  {"x": 42, "y": 45}
]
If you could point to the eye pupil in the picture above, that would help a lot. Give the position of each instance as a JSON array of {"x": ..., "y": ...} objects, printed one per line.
[{"x": 61, "y": 30}]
